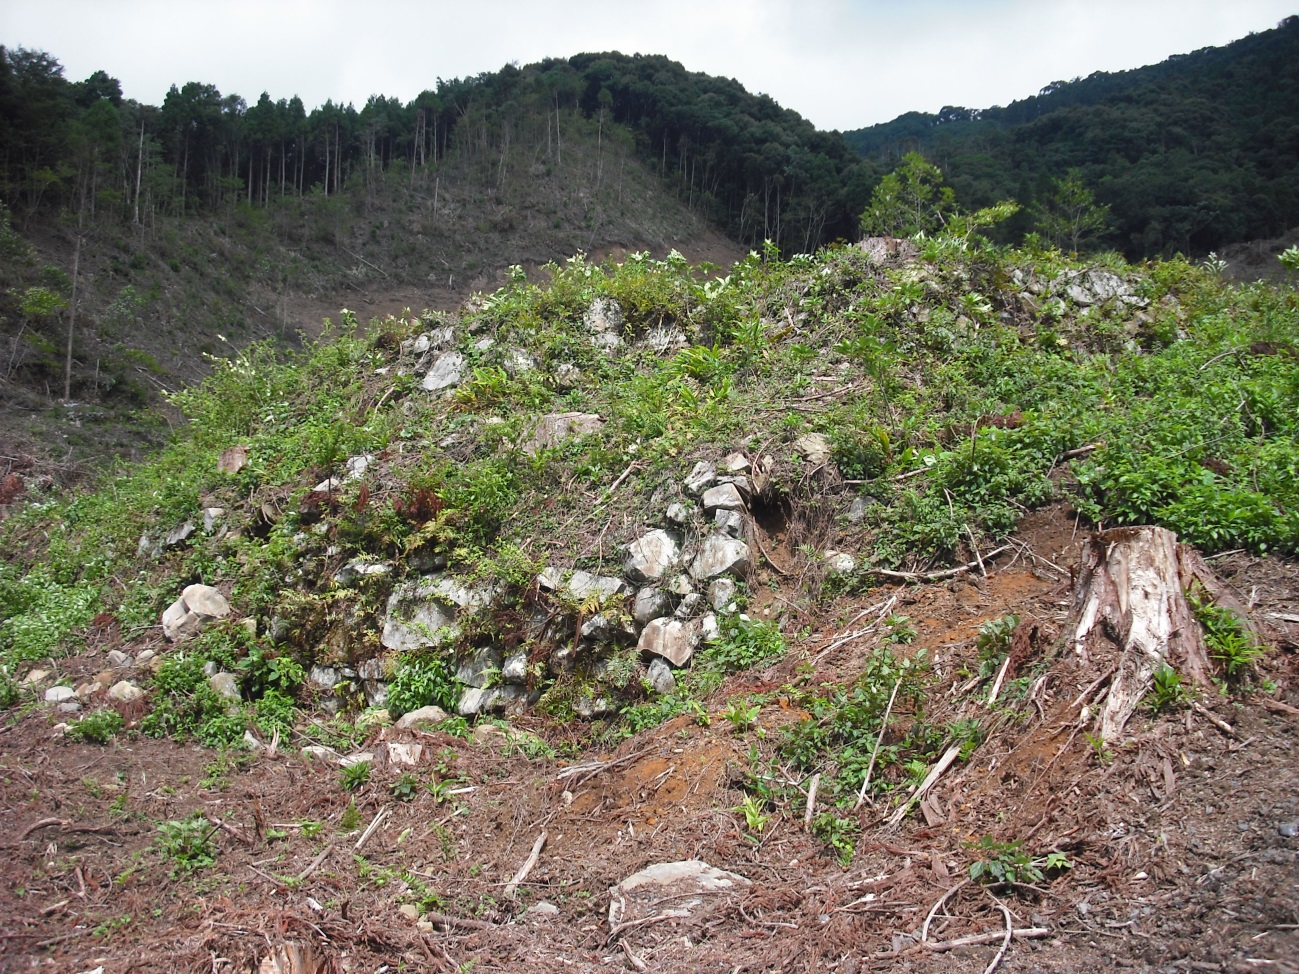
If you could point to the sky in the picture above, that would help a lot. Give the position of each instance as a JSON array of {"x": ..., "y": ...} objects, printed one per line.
[{"x": 843, "y": 64}]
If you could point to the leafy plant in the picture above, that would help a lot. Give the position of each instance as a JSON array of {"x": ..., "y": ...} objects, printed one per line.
[
  {"x": 422, "y": 680},
  {"x": 741, "y": 716},
  {"x": 1167, "y": 692},
  {"x": 1007, "y": 864},
  {"x": 840, "y": 834},
  {"x": 994, "y": 642},
  {"x": 900, "y": 629},
  {"x": 187, "y": 843},
  {"x": 403, "y": 789},
  {"x": 98, "y": 727},
  {"x": 1228, "y": 639},
  {"x": 354, "y": 776},
  {"x": 755, "y": 815}
]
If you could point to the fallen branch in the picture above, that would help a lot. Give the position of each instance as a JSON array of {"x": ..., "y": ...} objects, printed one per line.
[
  {"x": 632, "y": 959},
  {"x": 43, "y": 823},
  {"x": 591, "y": 770},
  {"x": 1215, "y": 720},
  {"x": 811, "y": 799},
  {"x": 315, "y": 863},
  {"x": 463, "y": 922},
  {"x": 996, "y": 686},
  {"x": 975, "y": 548},
  {"x": 226, "y": 826},
  {"x": 933, "y": 910},
  {"x": 935, "y": 773},
  {"x": 767, "y": 556},
  {"x": 1010, "y": 932},
  {"x": 512, "y": 888},
  {"x": 635, "y": 464},
  {"x": 364, "y": 261},
  {"x": 937, "y": 576},
  {"x": 372, "y": 828},
  {"x": 1277, "y": 707},
  {"x": 975, "y": 939}
]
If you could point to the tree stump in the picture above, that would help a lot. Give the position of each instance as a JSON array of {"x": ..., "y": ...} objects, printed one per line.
[{"x": 1130, "y": 613}]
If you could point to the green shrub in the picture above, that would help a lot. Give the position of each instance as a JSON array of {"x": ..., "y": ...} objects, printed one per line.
[
  {"x": 98, "y": 727},
  {"x": 421, "y": 680}
]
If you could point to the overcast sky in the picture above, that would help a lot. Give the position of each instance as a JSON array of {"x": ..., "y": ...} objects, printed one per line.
[{"x": 841, "y": 63}]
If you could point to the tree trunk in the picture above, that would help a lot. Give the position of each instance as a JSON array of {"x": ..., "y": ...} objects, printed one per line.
[
  {"x": 72, "y": 320},
  {"x": 1131, "y": 615}
]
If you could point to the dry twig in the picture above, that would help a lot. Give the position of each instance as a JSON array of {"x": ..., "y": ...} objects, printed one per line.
[{"x": 512, "y": 888}]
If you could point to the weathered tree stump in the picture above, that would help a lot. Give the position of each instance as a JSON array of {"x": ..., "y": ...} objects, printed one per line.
[{"x": 1130, "y": 612}]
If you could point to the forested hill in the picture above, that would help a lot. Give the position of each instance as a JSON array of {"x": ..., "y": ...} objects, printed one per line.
[
  {"x": 1191, "y": 154},
  {"x": 758, "y": 171}
]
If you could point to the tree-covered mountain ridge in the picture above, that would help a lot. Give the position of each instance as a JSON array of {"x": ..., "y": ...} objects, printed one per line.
[{"x": 1191, "y": 154}]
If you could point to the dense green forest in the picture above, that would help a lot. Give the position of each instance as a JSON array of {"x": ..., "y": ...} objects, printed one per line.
[
  {"x": 1190, "y": 154},
  {"x": 757, "y": 170}
]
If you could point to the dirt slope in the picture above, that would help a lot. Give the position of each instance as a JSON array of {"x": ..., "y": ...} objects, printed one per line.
[{"x": 1182, "y": 841}]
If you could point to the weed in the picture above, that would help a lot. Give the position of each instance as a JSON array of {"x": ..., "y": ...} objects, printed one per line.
[
  {"x": 187, "y": 843},
  {"x": 741, "y": 716},
  {"x": 311, "y": 828},
  {"x": 900, "y": 629},
  {"x": 1167, "y": 692},
  {"x": 755, "y": 815},
  {"x": 994, "y": 642},
  {"x": 421, "y": 680},
  {"x": 1007, "y": 864},
  {"x": 840, "y": 834},
  {"x": 351, "y": 817},
  {"x": 354, "y": 776},
  {"x": 1229, "y": 641},
  {"x": 1099, "y": 748},
  {"x": 98, "y": 727},
  {"x": 403, "y": 789}
]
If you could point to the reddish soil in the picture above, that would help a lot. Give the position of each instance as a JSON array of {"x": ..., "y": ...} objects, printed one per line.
[{"x": 1177, "y": 834}]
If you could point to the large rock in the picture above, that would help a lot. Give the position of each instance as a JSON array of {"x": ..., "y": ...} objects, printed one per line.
[
  {"x": 479, "y": 667},
  {"x": 723, "y": 497},
  {"x": 651, "y": 603},
  {"x": 554, "y": 428},
  {"x": 1096, "y": 286},
  {"x": 424, "y": 718},
  {"x": 671, "y": 639},
  {"x": 124, "y": 691},
  {"x": 447, "y": 371},
  {"x": 493, "y": 699},
  {"x": 660, "y": 676},
  {"x": 703, "y": 476},
  {"x": 603, "y": 315},
  {"x": 581, "y": 585},
  {"x": 651, "y": 556},
  {"x": 814, "y": 447},
  {"x": 197, "y": 605},
  {"x": 226, "y": 686},
  {"x": 423, "y": 612},
  {"x": 60, "y": 694},
  {"x": 718, "y": 556},
  {"x": 671, "y": 889}
]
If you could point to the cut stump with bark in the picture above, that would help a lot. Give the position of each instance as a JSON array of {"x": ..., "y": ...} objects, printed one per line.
[{"x": 1131, "y": 614}]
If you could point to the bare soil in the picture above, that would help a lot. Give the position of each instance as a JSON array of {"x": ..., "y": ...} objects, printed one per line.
[{"x": 1184, "y": 855}]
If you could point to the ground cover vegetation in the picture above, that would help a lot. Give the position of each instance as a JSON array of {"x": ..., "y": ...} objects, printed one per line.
[{"x": 956, "y": 392}]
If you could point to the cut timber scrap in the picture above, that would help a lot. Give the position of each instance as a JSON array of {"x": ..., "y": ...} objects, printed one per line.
[{"x": 1130, "y": 602}]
